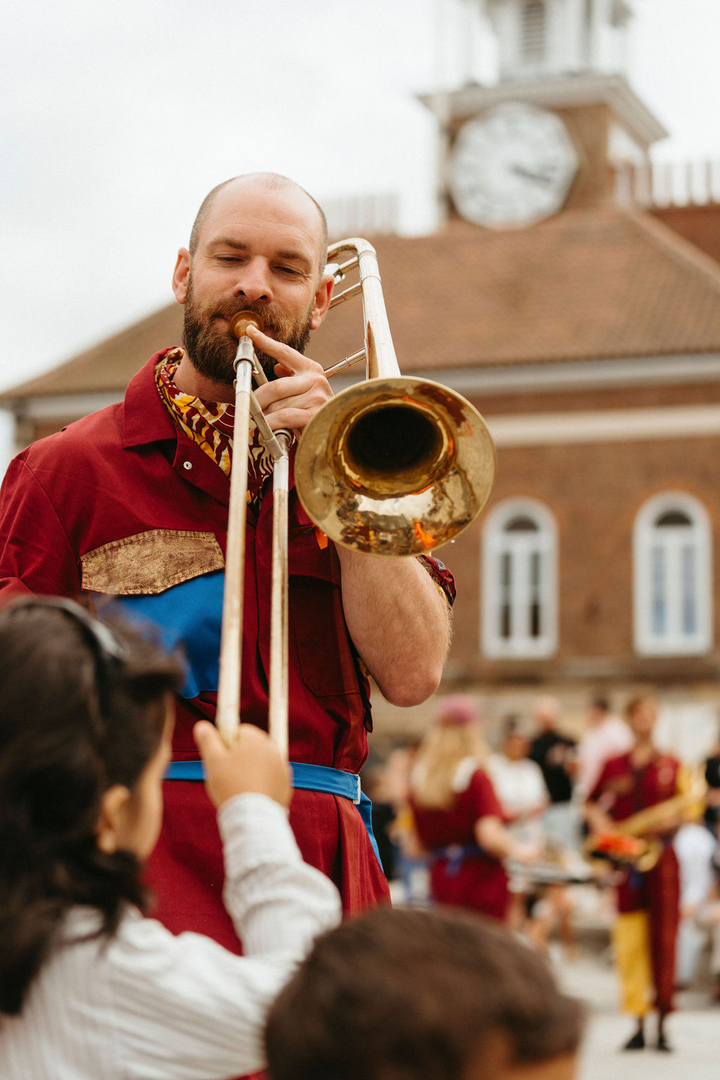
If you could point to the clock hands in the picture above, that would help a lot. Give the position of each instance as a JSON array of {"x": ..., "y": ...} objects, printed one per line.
[{"x": 545, "y": 178}]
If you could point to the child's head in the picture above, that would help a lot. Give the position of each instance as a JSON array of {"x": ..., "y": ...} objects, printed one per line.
[
  {"x": 84, "y": 735},
  {"x": 411, "y": 995}
]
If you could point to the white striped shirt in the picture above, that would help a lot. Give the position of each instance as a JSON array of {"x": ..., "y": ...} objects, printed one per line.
[{"x": 149, "y": 1005}]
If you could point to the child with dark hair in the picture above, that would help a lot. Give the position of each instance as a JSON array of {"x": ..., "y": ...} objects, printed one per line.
[
  {"x": 407, "y": 994},
  {"x": 89, "y": 987}
]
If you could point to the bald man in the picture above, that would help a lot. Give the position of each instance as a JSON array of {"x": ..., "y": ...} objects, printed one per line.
[{"x": 131, "y": 503}]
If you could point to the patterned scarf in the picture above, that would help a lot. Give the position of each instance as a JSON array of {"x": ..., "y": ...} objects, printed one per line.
[{"x": 210, "y": 425}]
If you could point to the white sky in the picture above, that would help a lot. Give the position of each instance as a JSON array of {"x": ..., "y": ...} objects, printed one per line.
[{"x": 117, "y": 118}]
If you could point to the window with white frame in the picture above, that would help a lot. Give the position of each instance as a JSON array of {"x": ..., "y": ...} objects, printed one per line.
[
  {"x": 519, "y": 596},
  {"x": 672, "y": 576}
]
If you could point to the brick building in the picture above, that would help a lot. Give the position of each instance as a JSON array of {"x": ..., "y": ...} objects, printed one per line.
[{"x": 582, "y": 318}]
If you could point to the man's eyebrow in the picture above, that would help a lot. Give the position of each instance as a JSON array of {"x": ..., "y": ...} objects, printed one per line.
[
  {"x": 295, "y": 256},
  {"x": 291, "y": 254},
  {"x": 228, "y": 241}
]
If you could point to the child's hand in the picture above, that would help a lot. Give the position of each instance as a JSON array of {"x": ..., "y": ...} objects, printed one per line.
[{"x": 253, "y": 763}]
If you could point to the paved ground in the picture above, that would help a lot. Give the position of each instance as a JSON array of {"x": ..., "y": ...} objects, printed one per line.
[{"x": 694, "y": 1030}]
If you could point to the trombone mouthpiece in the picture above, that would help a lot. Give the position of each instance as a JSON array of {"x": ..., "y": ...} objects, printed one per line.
[{"x": 240, "y": 322}]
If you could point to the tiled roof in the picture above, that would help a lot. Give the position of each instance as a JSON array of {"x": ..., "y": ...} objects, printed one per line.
[{"x": 585, "y": 284}]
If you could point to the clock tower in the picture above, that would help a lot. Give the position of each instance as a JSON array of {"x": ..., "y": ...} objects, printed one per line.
[{"x": 556, "y": 126}]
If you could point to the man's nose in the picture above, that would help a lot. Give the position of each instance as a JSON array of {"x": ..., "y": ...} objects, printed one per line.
[{"x": 253, "y": 282}]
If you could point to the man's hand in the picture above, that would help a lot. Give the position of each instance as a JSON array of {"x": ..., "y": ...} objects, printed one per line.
[
  {"x": 300, "y": 389},
  {"x": 252, "y": 764}
]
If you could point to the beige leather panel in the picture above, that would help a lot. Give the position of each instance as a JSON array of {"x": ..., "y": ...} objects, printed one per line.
[{"x": 150, "y": 562}]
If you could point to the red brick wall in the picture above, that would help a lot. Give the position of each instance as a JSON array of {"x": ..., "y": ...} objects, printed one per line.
[{"x": 594, "y": 492}]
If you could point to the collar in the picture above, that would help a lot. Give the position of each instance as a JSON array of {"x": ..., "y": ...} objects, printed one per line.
[{"x": 145, "y": 418}]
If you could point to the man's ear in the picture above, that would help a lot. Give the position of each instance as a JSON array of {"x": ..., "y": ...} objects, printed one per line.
[
  {"x": 321, "y": 303},
  {"x": 113, "y": 808},
  {"x": 180, "y": 275}
]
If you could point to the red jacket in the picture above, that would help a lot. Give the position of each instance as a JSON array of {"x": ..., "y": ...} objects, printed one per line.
[
  {"x": 121, "y": 503},
  {"x": 469, "y": 878}
]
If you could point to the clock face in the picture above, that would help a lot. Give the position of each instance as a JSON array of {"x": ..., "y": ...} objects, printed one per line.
[{"x": 511, "y": 166}]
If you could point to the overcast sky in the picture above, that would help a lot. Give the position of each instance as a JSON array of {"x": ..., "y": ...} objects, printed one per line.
[{"x": 117, "y": 118}]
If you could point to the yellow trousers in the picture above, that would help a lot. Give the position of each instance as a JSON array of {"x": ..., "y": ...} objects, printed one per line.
[{"x": 631, "y": 942}]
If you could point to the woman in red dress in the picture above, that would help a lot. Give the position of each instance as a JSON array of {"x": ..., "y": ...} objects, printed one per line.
[{"x": 457, "y": 816}]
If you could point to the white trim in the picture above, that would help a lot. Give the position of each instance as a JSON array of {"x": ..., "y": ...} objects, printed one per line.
[
  {"x": 671, "y": 370},
  {"x": 494, "y": 544},
  {"x": 558, "y": 92},
  {"x": 582, "y": 374},
  {"x": 669, "y": 543},
  {"x": 674, "y": 369},
  {"x": 608, "y": 425},
  {"x": 65, "y": 406}
]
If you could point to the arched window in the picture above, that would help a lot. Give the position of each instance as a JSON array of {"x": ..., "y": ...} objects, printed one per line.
[
  {"x": 672, "y": 576},
  {"x": 519, "y": 595},
  {"x": 532, "y": 31}
]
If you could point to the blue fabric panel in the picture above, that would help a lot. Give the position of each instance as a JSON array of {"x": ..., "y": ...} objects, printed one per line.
[{"x": 189, "y": 615}]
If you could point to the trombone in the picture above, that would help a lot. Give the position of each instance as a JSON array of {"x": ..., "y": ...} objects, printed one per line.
[{"x": 395, "y": 465}]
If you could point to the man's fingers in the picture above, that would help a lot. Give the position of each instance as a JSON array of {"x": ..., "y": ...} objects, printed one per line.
[
  {"x": 290, "y": 358},
  {"x": 287, "y": 391}
]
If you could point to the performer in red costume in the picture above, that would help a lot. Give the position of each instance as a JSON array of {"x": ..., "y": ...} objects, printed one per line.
[
  {"x": 131, "y": 503},
  {"x": 457, "y": 816},
  {"x": 648, "y": 903}
]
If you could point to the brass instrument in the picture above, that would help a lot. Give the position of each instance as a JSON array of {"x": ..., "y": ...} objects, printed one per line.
[
  {"x": 629, "y": 844},
  {"x": 394, "y": 466}
]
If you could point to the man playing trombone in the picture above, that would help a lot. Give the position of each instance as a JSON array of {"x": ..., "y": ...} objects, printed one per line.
[{"x": 132, "y": 503}]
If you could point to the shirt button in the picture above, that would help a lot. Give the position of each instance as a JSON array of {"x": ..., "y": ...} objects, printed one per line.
[{"x": 187, "y": 465}]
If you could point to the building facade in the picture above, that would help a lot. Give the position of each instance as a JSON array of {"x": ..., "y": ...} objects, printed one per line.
[{"x": 582, "y": 318}]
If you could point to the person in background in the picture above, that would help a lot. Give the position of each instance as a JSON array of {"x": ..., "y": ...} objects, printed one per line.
[
  {"x": 712, "y": 779},
  {"x": 418, "y": 994},
  {"x": 555, "y": 754},
  {"x": 607, "y": 736},
  {"x": 410, "y": 862},
  {"x": 523, "y": 797},
  {"x": 457, "y": 816},
  {"x": 708, "y": 917},
  {"x": 89, "y": 987},
  {"x": 694, "y": 847},
  {"x": 648, "y": 903},
  {"x": 383, "y": 816}
]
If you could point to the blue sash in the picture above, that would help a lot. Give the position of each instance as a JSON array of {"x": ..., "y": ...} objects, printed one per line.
[{"x": 305, "y": 777}]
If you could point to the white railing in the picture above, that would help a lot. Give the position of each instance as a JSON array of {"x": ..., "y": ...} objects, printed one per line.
[
  {"x": 669, "y": 184},
  {"x": 363, "y": 215}
]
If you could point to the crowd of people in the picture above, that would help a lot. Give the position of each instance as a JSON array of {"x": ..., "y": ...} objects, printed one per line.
[{"x": 509, "y": 831}]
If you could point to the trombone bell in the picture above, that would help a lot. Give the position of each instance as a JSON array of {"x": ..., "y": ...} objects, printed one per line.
[{"x": 395, "y": 466}]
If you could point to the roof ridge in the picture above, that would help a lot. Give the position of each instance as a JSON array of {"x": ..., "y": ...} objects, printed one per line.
[{"x": 679, "y": 248}]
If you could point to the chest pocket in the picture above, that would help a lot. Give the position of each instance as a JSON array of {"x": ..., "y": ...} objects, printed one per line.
[{"x": 150, "y": 562}]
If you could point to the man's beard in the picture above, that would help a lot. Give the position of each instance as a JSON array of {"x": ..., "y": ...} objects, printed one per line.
[{"x": 211, "y": 347}]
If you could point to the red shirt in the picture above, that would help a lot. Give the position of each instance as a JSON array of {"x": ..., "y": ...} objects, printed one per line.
[
  {"x": 622, "y": 790},
  {"x": 121, "y": 503},
  {"x": 473, "y": 878}
]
